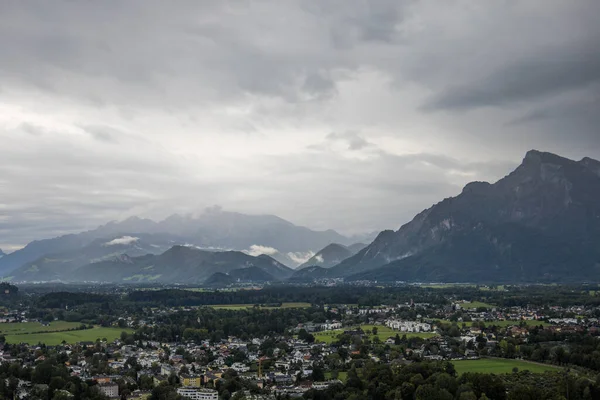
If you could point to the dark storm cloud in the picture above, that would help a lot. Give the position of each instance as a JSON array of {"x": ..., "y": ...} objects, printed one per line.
[
  {"x": 321, "y": 112},
  {"x": 551, "y": 73}
]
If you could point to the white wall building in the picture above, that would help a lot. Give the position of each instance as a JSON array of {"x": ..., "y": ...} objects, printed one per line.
[
  {"x": 240, "y": 367},
  {"x": 198, "y": 394},
  {"x": 407, "y": 326},
  {"x": 109, "y": 389}
]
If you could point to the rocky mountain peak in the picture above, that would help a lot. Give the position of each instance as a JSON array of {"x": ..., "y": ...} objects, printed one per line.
[
  {"x": 477, "y": 187},
  {"x": 591, "y": 164},
  {"x": 536, "y": 157},
  {"x": 540, "y": 221}
]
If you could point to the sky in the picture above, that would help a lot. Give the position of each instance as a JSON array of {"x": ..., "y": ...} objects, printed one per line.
[{"x": 345, "y": 114}]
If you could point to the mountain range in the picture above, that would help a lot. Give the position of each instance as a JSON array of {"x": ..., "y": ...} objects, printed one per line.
[
  {"x": 540, "y": 223},
  {"x": 213, "y": 230},
  {"x": 333, "y": 254},
  {"x": 180, "y": 264}
]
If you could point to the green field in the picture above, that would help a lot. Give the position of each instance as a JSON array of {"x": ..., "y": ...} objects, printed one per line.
[
  {"x": 55, "y": 338},
  {"x": 497, "y": 323},
  {"x": 342, "y": 376},
  {"x": 245, "y": 306},
  {"x": 499, "y": 288},
  {"x": 383, "y": 332},
  {"x": 475, "y": 304},
  {"x": 15, "y": 328},
  {"x": 446, "y": 285},
  {"x": 517, "y": 323},
  {"x": 499, "y": 366}
]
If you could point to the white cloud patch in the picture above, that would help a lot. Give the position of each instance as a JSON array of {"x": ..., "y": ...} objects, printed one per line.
[
  {"x": 319, "y": 258},
  {"x": 300, "y": 257},
  {"x": 257, "y": 250},
  {"x": 124, "y": 240}
]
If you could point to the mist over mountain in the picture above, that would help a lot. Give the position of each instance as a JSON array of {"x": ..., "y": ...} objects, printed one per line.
[
  {"x": 179, "y": 264},
  {"x": 56, "y": 266},
  {"x": 215, "y": 230},
  {"x": 332, "y": 255},
  {"x": 539, "y": 223}
]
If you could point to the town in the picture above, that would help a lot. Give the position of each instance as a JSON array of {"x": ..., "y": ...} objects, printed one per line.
[{"x": 199, "y": 352}]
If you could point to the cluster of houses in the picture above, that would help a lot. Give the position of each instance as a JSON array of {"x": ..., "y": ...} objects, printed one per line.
[
  {"x": 290, "y": 366},
  {"x": 408, "y": 326}
]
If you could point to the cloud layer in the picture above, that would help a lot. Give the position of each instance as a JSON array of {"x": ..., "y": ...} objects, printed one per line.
[{"x": 332, "y": 115}]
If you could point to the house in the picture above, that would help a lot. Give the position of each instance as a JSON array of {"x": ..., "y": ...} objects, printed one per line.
[
  {"x": 408, "y": 326},
  {"x": 325, "y": 385},
  {"x": 102, "y": 379},
  {"x": 188, "y": 380},
  {"x": 166, "y": 369},
  {"x": 198, "y": 394},
  {"x": 240, "y": 367},
  {"x": 110, "y": 389},
  {"x": 158, "y": 379}
]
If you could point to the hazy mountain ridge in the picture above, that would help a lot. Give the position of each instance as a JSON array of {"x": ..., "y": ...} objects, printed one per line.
[
  {"x": 332, "y": 255},
  {"x": 179, "y": 264},
  {"x": 539, "y": 223},
  {"x": 309, "y": 274},
  {"x": 215, "y": 229},
  {"x": 242, "y": 275},
  {"x": 57, "y": 265}
]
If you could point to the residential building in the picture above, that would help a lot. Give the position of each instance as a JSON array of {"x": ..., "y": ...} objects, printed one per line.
[
  {"x": 110, "y": 389},
  {"x": 188, "y": 380},
  {"x": 198, "y": 394}
]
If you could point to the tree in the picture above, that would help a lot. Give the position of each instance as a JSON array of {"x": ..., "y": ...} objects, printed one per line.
[
  {"x": 428, "y": 392},
  {"x": 304, "y": 335},
  {"x": 62, "y": 395},
  {"x": 318, "y": 374},
  {"x": 164, "y": 392}
]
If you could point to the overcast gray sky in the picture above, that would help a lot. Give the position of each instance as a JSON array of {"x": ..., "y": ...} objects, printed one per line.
[{"x": 345, "y": 114}]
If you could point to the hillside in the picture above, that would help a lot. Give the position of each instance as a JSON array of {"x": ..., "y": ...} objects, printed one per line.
[
  {"x": 539, "y": 223},
  {"x": 329, "y": 256},
  {"x": 243, "y": 275},
  {"x": 214, "y": 229},
  {"x": 308, "y": 274},
  {"x": 180, "y": 264},
  {"x": 57, "y": 265}
]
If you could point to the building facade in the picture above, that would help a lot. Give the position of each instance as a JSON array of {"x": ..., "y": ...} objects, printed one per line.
[{"x": 198, "y": 394}]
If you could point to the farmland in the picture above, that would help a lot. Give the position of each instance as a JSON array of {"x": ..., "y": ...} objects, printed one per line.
[
  {"x": 499, "y": 366},
  {"x": 383, "y": 332},
  {"x": 55, "y": 338},
  {"x": 476, "y": 304},
  {"x": 54, "y": 333},
  {"x": 246, "y": 306},
  {"x": 503, "y": 323},
  {"x": 517, "y": 323},
  {"x": 17, "y": 328}
]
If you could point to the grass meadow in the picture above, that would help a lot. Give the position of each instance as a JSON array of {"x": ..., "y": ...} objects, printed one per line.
[
  {"x": 499, "y": 366},
  {"x": 58, "y": 331}
]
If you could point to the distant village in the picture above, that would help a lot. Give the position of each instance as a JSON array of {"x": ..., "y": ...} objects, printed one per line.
[{"x": 289, "y": 366}]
